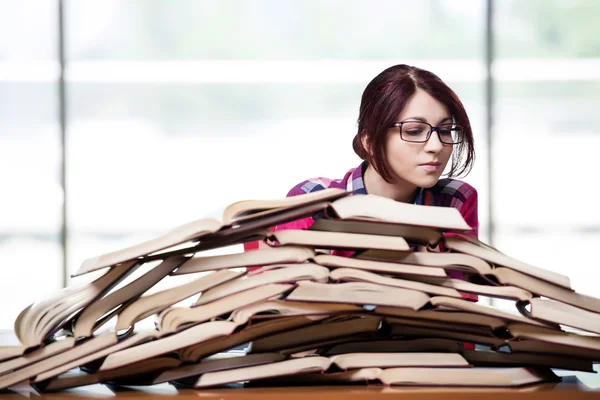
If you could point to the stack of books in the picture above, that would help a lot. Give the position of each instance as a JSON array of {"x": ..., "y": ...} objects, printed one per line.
[{"x": 390, "y": 311}]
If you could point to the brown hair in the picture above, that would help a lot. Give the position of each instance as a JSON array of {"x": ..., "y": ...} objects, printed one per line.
[{"x": 386, "y": 96}]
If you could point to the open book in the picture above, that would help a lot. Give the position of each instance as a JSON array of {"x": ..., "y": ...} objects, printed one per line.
[{"x": 246, "y": 212}]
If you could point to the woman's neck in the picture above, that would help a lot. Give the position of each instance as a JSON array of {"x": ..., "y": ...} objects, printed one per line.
[{"x": 401, "y": 191}]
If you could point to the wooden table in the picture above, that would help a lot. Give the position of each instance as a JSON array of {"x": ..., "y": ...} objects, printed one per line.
[{"x": 570, "y": 389}]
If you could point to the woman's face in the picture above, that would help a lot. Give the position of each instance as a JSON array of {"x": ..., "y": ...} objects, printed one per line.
[{"x": 419, "y": 164}]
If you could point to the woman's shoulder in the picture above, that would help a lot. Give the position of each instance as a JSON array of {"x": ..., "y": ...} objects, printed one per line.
[
  {"x": 315, "y": 184},
  {"x": 450, "y": 191}
]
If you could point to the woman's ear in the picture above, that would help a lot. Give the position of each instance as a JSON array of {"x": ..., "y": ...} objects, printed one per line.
[{"x": 364, "y": 140}]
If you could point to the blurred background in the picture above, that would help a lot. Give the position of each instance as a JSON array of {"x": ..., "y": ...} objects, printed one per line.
[{"x": 120, "y": 120}]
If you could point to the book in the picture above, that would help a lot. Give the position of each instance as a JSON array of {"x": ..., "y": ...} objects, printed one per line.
[
  {"x": 196, "y": 334},
  {"x": 287, "y": 273},
  {"x": 395, "y": 346},
  {"x": 187, "y": 375},
  {"x": 449, "y": 316},
  {"x": 555, "y": 337},
  {"x": 447, "y": 261},
  {"x": 279, "y": 308},
  {"x": 486, "y": 377},
  {"x": 388, "y": 268},
  {"x": 92, "y": 345},
  {"x": 362, "y": 293},
  {"x": 239, "y": 212},
  {"x": 383, "y": 209},
  {"x": 41, "y": 320},
  {"x": 559, "y": 313},
  {"x": 541, "y": 347},
  {"x": 318, "y": 363},
  {"x": 174, "y": 319},
  {"x": 407, "y": 331},
  {"x": 487, "y": 358},
  {"x": 545, "y": 289},
  {"x": 157, "y": 302},
  {"x": 259, "y": 257},
  {"x": 90, "y": 319},
  {"x": 433, "y": 325},
  {"x": 179, "y": 235},
  {"x": 357, "y": 275},
  {"x": 10, "y": 352},
  {"x": 36, "y": 355},
  {"x": 144, "y": 370},
  {"x": 417, "y": 376},
  {"x": 251, "y": 209},
  {"x": 255, "y": 330},
  {"x": 501, "y": 292},
  {"x": 414, "y": 234},
  {"x": 448, "y": 302},
  {"x": 497, "y": 258},
  {"x": 337, "y": 240},
  {"x": 132, "y": 340},
  {"x": 326, "y": 330}
]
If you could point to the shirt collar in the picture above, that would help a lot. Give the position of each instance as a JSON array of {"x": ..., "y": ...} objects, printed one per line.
[{"x": 356, "y": 184}]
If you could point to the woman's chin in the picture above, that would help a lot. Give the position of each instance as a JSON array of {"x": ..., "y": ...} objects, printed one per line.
[{"x": 427, "y": 182}]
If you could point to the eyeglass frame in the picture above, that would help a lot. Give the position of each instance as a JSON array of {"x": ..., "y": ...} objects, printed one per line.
[{"x": 431, "y": 129}]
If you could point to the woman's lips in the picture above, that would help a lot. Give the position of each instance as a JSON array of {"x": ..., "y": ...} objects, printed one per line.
[{"x": 431, "y": 167}]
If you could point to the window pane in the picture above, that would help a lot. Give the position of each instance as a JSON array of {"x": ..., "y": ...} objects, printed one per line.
[
  {"x": 274, "y": 29},
  {"x": 28, "y": 30},
  {"x": 30, "y": 252},
  {"x": 545, "y": 153},
  {"x": 546, "y": 135},
  {"x": 547, "y": 28}
]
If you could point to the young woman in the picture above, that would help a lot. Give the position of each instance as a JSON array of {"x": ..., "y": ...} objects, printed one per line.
[{"x": 410, "y": 126}]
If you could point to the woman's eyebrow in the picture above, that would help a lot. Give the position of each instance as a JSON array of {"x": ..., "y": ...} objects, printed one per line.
[{"x": 424, "y": 120}]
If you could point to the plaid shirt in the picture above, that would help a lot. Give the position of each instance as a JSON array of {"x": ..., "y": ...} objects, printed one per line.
[{"x": 446, "y": 193}]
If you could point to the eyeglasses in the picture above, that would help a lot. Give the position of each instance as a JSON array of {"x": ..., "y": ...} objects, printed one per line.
[{"x": 420, "y": 132}]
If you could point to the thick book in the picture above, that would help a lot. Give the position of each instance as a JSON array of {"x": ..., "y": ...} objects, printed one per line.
[
  {"x": 373, "y": 207},
  {"x": 93, "y": 316},
  {"x": 555, "y": 337},
  {"x": 40, "y": 321},
  {"x": 287, "y": 273},
  {"x": 478, "y": 249},
  {"x": 366, "y": 326},
  {"x": 318, "y": 363},
  {"x": 466, "y": 377},
  {"x": 174, "y": 319},
  {"x": 501, "y": 292},
  {"x": 412, "y": 233},
  {"x": 159, "y": 301},
  {"x": 196, "y": 334},
  {"x": 187, "y": 375},
  {"x": 361, "y": 293},
  {"x": 426, "y": 345},
  {"x": 448, "y": 261},
  {"x": 559, "y": 313},
  {"x": 488, "y": 358},
  {"x": 143, "y": 371},
  {"x": 337, "y": 240},
  {"x": 287, "y": 308},
  {"x": 357, "y": 275},
  {"x": 259, "y": 257},
  {"x": 81, "y": 350},
  {"x": 253, "y": 331},
  {"x": 388, "y": 268}
]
